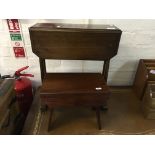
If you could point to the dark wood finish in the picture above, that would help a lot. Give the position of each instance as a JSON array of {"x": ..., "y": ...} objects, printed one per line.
[
  {"x": 74, "y": 42},
  {"x": 69, "y": 83},
  {"x": 84, "y": 43},
  {"x": 148, "y": 103},
  {"x": 105, "y": 69},
  {"x": 143, "y": 76},
  {"x": 98, "y": 118},
  {"x": 74, "y": 89},
  {"x": 42, "y": 67}
]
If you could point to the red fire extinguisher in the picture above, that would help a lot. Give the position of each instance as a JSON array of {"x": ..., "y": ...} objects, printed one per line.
[{"x": 23, "y": 89}]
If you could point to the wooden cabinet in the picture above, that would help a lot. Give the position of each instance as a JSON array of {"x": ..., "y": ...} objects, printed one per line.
[
  {"x": 145, "y": 74},
  {"x": 74, "y": 42},
  {"x": 148, "y": 103}
]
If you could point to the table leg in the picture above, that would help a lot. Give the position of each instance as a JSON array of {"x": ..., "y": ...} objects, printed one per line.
[
  {"x": 50, "y": 119},
  {"x": 98, "y": 117}
]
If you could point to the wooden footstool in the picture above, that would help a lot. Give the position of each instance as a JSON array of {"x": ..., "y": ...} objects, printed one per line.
[{"x": 74, "y": 89}]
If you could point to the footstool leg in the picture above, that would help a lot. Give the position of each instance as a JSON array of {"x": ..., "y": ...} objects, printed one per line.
[
  {"x": 50, "y": 119},
  {"x": 98, "y": 117}
]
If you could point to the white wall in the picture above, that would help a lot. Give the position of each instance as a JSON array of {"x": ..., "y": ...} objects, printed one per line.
[{"x": 137, "y": 42}]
